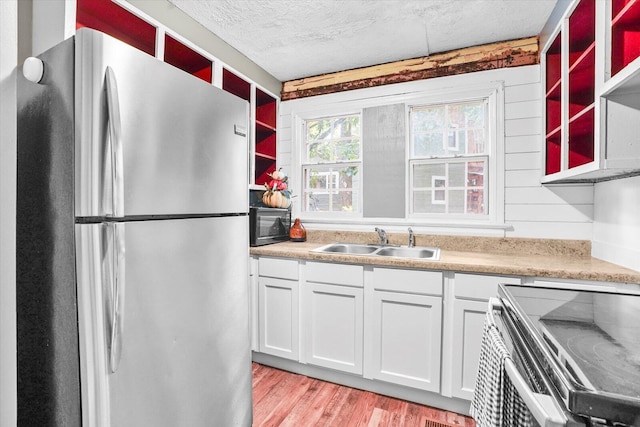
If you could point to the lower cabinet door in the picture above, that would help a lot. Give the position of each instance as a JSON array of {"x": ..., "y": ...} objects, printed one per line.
[
  {"x": 333, "y": 326},
  {"x": 278, "y": 324},
  {"x": 406, "y": 339},
  {"x": 468, "y": 321}
]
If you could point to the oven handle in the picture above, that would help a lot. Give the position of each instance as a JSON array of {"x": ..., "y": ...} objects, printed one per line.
[{"x": 542, "y": 406}]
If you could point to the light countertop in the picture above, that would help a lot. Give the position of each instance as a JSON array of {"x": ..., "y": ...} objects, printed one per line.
[{"x": 543, "y": 258}]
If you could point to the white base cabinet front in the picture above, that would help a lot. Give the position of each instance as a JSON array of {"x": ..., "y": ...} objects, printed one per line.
[
  {"x": 468, "y": 320},
  {"x": 406, "y": 337},
  {"x": 279, "y": 317},
  {"x": 333, "y": 324}
]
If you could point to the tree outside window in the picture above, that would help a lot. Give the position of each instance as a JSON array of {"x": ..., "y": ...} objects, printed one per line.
[{"x": 331, "y": 165}]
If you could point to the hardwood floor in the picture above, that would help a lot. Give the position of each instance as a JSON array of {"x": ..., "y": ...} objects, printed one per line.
[{"x": 282, "y": 399}]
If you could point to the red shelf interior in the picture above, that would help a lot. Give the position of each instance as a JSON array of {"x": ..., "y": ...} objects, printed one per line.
[
  {"x": 266, "y": 144},
  {"x": 265, "y": 109},
  {"x": 554, "y": 63},
  {"x": 582, "y": 29},
  {"x": 264, "y": 167},
  {"x": 236, "y": 85},
  {"x": 179, "y": 55},
  {"x": 131, "y": 29},
  {"x": 554, "y": 115},
  {"x": 582, "y": 83},
  {"x": 625, "y": 34},
  {"x": 553, "y": 153},
  {"x": 581, "y": 139},
  {"x": 618, "y": 5}
]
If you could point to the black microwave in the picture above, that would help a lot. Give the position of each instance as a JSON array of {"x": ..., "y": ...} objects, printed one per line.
[{"x": 268, "y": 225}]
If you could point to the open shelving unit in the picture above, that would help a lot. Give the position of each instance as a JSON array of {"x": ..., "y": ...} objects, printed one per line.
[
  {"x": 179, "y": 55},
  {"x": 265, "y": 150},
  {"x": 591, "y": 66},
  {"x": 109, "y": 18}
]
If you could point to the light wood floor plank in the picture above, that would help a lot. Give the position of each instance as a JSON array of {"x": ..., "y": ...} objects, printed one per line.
[{"x": 284, "y": 399}]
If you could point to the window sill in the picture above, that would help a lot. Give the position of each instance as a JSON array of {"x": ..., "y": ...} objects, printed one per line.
[{"x": 483, "y": 228}]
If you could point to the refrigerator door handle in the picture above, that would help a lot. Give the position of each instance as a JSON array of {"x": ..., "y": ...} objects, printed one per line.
[
  {"x": 115, "y": 133},
  {"x": 117, "y": 300}
]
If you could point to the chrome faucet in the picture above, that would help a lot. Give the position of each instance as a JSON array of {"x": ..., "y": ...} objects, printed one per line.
[
  {"x": 412, "y": 238},
  {"x": 383, "y": 236}
]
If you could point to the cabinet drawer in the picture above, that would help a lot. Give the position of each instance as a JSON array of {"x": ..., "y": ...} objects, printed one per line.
[
  {"x": 479, "y": 286},
  {"x": 409, "y": 281},
  {"x": 278, "y": 267},
  {"x": 337, "y": 274}
]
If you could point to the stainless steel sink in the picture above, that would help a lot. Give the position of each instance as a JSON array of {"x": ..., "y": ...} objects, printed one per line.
[
  {"x": 417, "y": 252},
  {"x": 407, "y": 252},
  {"x": 348, "y": 248}
]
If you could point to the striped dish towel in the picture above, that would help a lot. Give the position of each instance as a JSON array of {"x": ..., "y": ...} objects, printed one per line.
[{"x": 496, "y": 402}]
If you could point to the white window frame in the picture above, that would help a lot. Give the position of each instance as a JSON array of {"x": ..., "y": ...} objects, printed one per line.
[
  {"x": 439, "y": 90},
  {"x": 302, "y": 163},
  {"x": 494, "y": 181}
]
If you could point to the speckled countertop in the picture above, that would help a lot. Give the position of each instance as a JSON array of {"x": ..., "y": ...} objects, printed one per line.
[{"x": 550, "y": 258}]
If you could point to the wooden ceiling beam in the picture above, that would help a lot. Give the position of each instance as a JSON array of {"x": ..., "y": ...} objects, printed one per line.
[{"x": 513, "y": 53}]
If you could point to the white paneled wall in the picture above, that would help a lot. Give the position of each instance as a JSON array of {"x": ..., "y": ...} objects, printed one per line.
[
  {"x": 563, "y": 212},
  {"x": 616, "y": 227},
  {"x": 532, "y": 210}
]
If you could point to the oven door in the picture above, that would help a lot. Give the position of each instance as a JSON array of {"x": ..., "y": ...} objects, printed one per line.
[{"x": 532, "y": 384}]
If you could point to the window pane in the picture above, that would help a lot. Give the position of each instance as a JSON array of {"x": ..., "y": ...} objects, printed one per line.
[
  {"x": 452, "y": 186},
  {"x": 319, "y": 151},
  {"x": 347, "y": 150},
  {"x": 456, "y": 201},
  {"x": 318, "y": 129},
  {"x": 475, "y": 141},
  {"x": 476, "y": 173},
  {"x": 467, "y": 115},
  {"x": 428, "y": 118},
  {"x": 424, "y": 173},
  {"x": 333, "y": 139},
  {"x": 331, "y": 188},
  {"x": 457, "y": 174},
  {"x": 475, "y": 201},
  {"x": 448, "y": 130},
  {"x": 428, "y": 144}
]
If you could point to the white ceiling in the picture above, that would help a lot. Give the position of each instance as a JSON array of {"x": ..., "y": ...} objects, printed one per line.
[{"x": 292, "y": 39}]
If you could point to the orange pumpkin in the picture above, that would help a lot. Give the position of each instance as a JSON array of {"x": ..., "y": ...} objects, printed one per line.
[{"x": 276, "y": 199}]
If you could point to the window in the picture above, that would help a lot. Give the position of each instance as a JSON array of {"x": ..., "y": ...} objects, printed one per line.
[
  {"x": 449, "y": 159},
  {"x": 331, "y": 164}
]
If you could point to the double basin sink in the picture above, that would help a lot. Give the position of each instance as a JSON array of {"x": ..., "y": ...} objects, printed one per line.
[{"x": 415, "y": 252}]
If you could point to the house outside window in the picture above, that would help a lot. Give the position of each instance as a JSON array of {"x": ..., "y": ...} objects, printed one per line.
[
  {"x": 332, "y": 165},
  {"x": 449, "y": 159}
]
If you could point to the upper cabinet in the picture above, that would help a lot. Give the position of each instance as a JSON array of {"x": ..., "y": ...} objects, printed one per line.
[{"x": 590, "y": 65}]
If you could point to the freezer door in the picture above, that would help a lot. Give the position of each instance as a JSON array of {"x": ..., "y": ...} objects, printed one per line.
[
  {"x": 152, "y": 139},
  {"x": 171, "y": 297}
]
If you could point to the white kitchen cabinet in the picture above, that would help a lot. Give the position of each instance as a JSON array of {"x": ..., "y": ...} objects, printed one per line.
[
  {"x": 332, "y": 324},
  {"x": 467, "y": 308},
  {"x": 278, "y": 307},
  {"x": 591, "y": 70},
  {"x": 404, "y": 318}
]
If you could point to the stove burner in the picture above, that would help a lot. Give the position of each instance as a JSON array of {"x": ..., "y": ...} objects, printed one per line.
[{"x": 594, "y": 359}]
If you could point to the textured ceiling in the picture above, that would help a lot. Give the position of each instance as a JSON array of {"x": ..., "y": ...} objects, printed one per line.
[{"x": 292, "y": 39}]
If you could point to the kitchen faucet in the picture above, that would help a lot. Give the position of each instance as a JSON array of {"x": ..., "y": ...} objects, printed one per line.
[
  {"x": 412, "y": 238},
  {"x": 383, "y": 236}
]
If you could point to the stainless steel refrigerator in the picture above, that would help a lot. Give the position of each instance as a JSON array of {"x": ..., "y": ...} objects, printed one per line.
[{"x": 132, "y": 243}]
